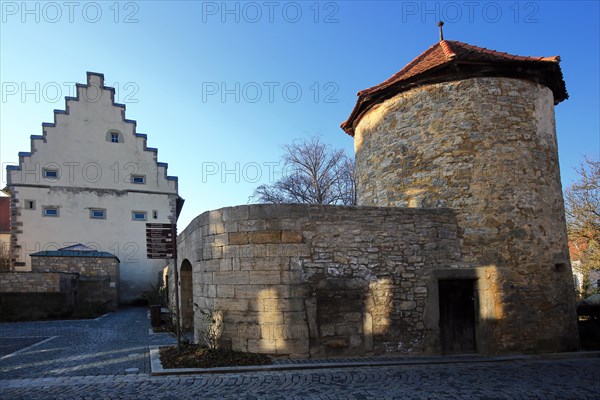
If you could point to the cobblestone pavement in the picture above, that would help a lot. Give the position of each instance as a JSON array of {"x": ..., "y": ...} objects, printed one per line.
[
  {"x": 91, "y": 360},
  {"x": 114, "y": 344},
  {"x": 564, "y": 379}
]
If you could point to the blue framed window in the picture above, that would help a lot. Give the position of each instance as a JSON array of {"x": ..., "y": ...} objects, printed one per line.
[
  {"x": 97, "y": 213},
  {"x": 138, "y": 179},
  {"x": 50, "y": 173},
  {"x": 114, "y": 136},
  {"x": 139, "y": 215},
  {"x": 50, "y": 211}
]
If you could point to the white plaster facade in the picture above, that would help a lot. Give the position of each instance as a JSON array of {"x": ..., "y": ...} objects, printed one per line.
[
  {"x": 4, "y": 230},
  {"x": 104, "y": 173}
]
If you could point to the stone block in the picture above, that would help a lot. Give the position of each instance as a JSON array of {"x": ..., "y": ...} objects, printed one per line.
[
  {"x": 225, "y": 290},
  {"x": 291, "y": 237},
  {"x": 283, "y": 224},
  {"x": 252, "y": 225},
  {"x": 238, "y": 238},
  {"x": 225, "y": 304},
  {"x": 294, "y": 317},
  {"x": 264, "y": 277},
  {"x": 270, "y": 317},
  {"x": 215, "y": 229},
  {"x": 295, "y": 331},
  {"x": 295, "y": 348},
  {"x": 264, "y": 237},
  {"x": 221, "y": 239},
  {"x": 231, "y": 277},
  {"x": 252, "y": 291},
  {"x": 261, "y": 346}
]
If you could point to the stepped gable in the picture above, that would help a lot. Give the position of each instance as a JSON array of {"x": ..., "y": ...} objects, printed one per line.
[{"x": 80, "y": 88}]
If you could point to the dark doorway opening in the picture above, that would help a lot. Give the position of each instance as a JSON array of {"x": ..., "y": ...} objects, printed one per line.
[
  {"x": 457, "y": 315},
  {"x": 187, "y": 295}
]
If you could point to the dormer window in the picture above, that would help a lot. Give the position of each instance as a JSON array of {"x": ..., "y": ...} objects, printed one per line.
[
  {"x": 114, "y": 136},
  {"x": 138, "y": 179}
]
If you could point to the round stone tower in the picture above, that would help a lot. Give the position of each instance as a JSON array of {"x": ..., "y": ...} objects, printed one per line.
[{"x": 472, "y": 129}]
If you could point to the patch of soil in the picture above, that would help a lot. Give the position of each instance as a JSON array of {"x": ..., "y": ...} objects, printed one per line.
[{"x": 195, "y": 356}]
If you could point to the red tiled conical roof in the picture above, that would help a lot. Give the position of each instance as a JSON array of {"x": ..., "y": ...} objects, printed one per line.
[{"x": 449, "y": 60}]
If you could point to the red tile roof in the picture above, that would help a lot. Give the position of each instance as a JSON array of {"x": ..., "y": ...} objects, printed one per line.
[{"x": 449, "y": 60}]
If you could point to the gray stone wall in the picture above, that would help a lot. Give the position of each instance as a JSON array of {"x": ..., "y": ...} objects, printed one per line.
[
  {"x": 98, "y": 278},
  {"x": 30, "y": 282},
  {"x": 486, "y": 148},
  {"x": 88, "y": 266},
  {"x": 300, "y": 281}
]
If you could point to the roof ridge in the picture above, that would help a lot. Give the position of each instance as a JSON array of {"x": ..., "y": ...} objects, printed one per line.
[{"x": 503, "y": 54}]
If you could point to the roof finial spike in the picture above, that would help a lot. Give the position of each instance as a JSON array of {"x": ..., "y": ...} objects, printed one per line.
[{"x": 441, "y": 24}]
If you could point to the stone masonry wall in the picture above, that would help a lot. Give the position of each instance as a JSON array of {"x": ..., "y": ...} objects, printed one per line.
[
  {"x": 98, "y": 277},
  {"x": 486, "y": 148},
  {"x": 308, "y": 281},
  {"x": 88, "y": 266},
  {"x": 30, "y": 282}
]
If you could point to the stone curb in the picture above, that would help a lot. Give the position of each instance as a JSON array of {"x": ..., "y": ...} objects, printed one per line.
[{"x": 157, "y": 369}]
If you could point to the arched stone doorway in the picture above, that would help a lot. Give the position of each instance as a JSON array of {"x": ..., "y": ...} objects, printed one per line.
[{"x": 187, "y": 295}]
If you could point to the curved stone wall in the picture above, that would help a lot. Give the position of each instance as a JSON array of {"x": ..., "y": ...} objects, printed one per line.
[
  {"x": 486, "y": 148},
  {"x": 309, "y": 281}
]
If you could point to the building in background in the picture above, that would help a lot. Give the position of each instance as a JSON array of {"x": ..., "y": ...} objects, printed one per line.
[
  {"x": 4, "y": 231},
  {"x": 91, "y": 179}
]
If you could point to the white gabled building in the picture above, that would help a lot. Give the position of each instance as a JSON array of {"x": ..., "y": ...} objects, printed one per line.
[{"x": 91, "y": 179}]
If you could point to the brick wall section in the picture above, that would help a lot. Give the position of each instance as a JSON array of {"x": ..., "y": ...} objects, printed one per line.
[
  {"x": 486, "y": 148},
  {"x": 30, "y": 282},
  {"x": 309, "y": 281}
]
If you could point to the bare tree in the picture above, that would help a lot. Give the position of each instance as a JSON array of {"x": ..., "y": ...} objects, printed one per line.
[
  {"x": 582, "y": 205},
  {"x": 314, "y": 173}
]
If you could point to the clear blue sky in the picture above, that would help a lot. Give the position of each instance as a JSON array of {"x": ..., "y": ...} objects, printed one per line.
[{"x": 216, "y": 85}]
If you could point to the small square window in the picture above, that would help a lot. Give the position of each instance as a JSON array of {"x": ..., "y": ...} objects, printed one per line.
[
  {"x": 50, "y": 211},
  {"x": 138, "y": 215},
  {"x": 98, "y": 213},
  {"x": 114, "y": 136},
  {"x": 30, "y": 204},
  {"x": 155, "y": 214},
  {"x": 138, "y": 179},
  {"x": 50, "y": 173}
]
